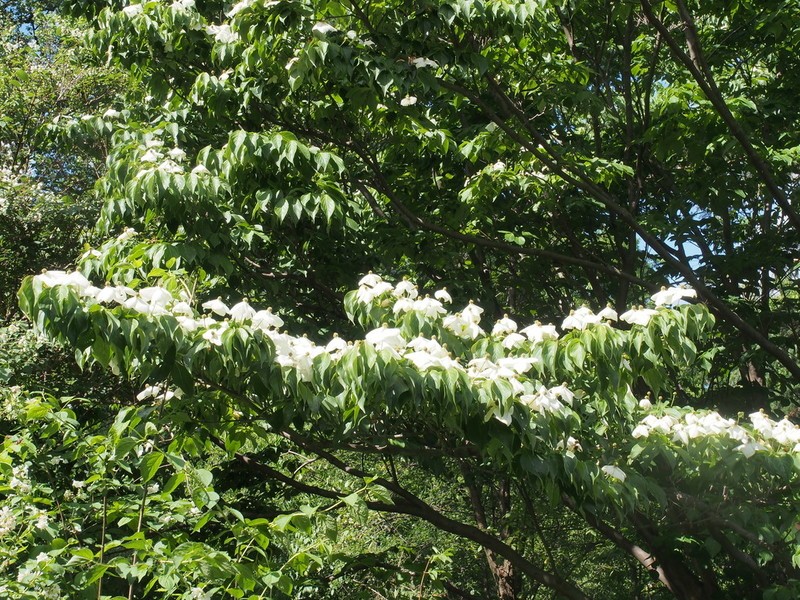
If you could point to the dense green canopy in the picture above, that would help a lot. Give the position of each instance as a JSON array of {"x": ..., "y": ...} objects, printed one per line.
[{"x": 533, "y": 156}]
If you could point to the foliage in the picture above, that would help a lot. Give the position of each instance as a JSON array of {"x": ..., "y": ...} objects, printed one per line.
[
  {"x": 46, "y": 177},
  {"x": 535, "y": 156},
  {"x": 528, "y": 154},
  {"x": 427, "y": 382}
]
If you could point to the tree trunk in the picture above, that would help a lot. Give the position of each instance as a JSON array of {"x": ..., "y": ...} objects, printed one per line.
[{"x": 502, "y": 570}]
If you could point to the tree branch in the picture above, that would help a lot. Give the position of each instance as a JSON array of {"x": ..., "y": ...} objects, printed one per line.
[
  {"x": 695, "y": 63},
  {"x": 415, "y": 220},
  {"x": 410, "y": 504},
  {"x": 544, "y": 151}
]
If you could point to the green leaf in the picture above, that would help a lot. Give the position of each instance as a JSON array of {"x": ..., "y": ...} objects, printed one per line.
[{"x": 150, "y": 464}]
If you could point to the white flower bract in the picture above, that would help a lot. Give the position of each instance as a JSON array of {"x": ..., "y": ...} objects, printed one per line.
[
  {"x": 614, "y": 473},
  {"x": 672, "y": 296}
]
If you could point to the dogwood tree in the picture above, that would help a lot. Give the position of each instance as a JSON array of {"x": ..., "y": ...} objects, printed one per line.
[
  {"x": 528, "y": 155},
  {"x": 547, "y": 412}
]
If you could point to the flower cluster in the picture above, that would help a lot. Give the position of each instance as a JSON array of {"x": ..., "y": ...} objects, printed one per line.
[
  {"x": 156, "y": 158},
  {"x": 216, "y": 319},
  {"x": 223, "y": 34},
  {"x": 465, "y": 323},
  {"x": 583, "y": 317},
  {"x": 154, "y": 300},
  {"x": 783, "y": 434},
  {"x": 549, "y": 400},
  {"x": 8, "y": 521}
]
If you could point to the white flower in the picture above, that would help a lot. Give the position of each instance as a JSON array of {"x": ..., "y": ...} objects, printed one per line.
[
  {"x": 462, "y": 327},
  {"x": 216, "y": 306},
  {"x": 542, "y": 401},
  {"x": 645, "y": 404},
  {"x": 281, "y": 341},
  {"x": 153, "y": 488},
  {"x": 214, "y": 336},
  {"x": 405, "y": 289},
  {"x": 512, "y": 340},
  {"x": 127, "y": 234},
  {"x": 518, "y": 364},
  {"x": 614, "y": 472},
  {"x": 42, "y": 557},
  {"x": 421, "y": 62},
  {"x": 242, "y": 311},
  {"x": 431, "y": 346},
  {"x": 408, "y": 101},
  {"x": 336, "y": 345},
  {"x": 182, "y": 308},
  {"x": 503, "y": 326},
  {"x": 197, "y": 593},
  {"x": 503, "y": 416},
  {"x": 537, "y": 332},
  {"x": 663, "y": 424},
  {"x": 239, "y": 7},
  {"x": 786, "y": 433},
  {"x": 111, "y": 114},
  {"x": 116, "y": 294},
  {"x": 266, "y": 320},
  {"x": 78, "y": 484},
  {"x": 132, "y": 10},
  {"x": 151, "y": 156},
  {"x": 640, "y": 431},
  {"x": 750, "y": 448},
  {"x": 155, "y": 391},
  {"x": 422, "y": 360},
  {"x": 403, "y": 305},
  {"x": 223, "y": 34},
  {"x": 147, "y": 308},
  {"x": 608, "y": 314},
  {"x": 156, "y": 296},
  {"x": 7, "y": 520},
  {"x": 148, "y": 392},
  {"x": 55, "y": 278},
  {"x": 442, "y": 296},
  {"x": 638, "y": 316},
  {"x": 370, "y": 280},
  {"x": 482, "y": 368},
  {"x": 366, "y": 294},
  {"x": 323, "y": 29},
  {"x": 386, "y": 338},
  {"x": 673, "y": 295},
  {"x": 170, "y": 166},
  {"x": 571, "y": 444},
  {"x": 182, "y": 5},
  {"x": 42, "y": 521},
  {"x": 561, "y": 391},
  {"x": 176, "y": 154},
  {"x": 90, "y": 291},
  {"x": 429, "y": 307},
  {"x": 579, "y": 319},
  {"x": 187, "y": 323},
  {"x": 200, "y": 170},
  {"x": 472, "y": 312},
  {"x": 20, "y": 485}
]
